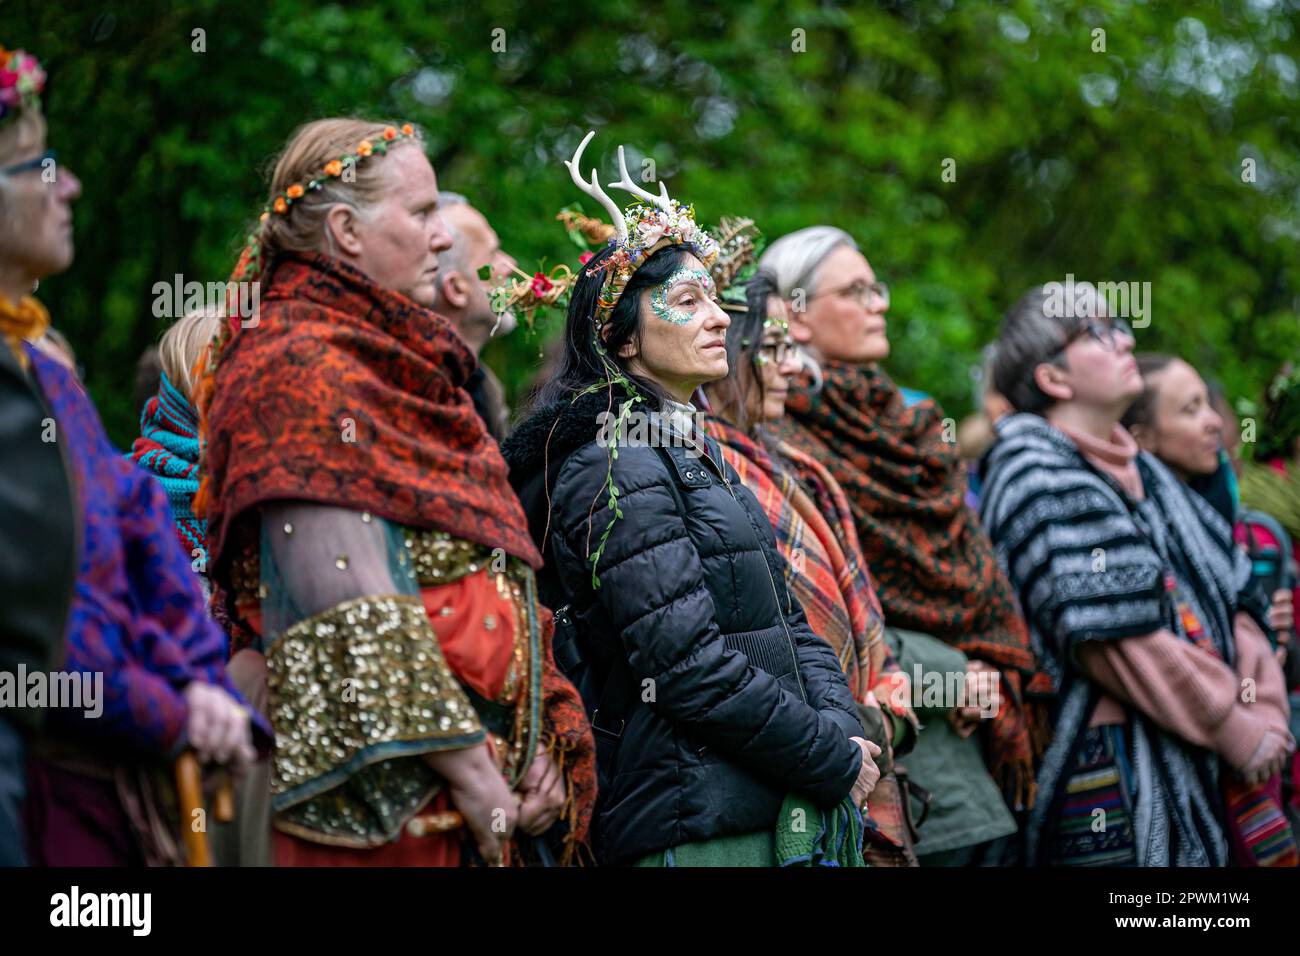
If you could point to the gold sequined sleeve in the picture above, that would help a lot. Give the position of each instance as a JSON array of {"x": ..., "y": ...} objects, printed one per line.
[{"x": 359, "y": 689}]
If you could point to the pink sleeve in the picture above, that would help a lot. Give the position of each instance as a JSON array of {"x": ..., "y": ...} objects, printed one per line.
[
  {"x": 1255, "y": 660},
  {"x": 1184, "y": 689}
]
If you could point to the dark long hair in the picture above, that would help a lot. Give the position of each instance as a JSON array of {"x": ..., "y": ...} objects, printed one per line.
[
  {"x": 581, "y": 365},
  {"x": 730, "y": 397}
]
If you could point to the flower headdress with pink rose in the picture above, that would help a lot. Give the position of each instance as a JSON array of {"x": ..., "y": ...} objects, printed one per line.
[
  {"x": 549, "y": 290},
  {"x": 647, "y": 226},
  {"x": 21, "y": 83}
]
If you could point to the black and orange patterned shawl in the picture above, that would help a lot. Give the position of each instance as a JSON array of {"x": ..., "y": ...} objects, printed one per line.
[
  {"x": 349, "y": 394},
  {"x": 933, "y": 564}
]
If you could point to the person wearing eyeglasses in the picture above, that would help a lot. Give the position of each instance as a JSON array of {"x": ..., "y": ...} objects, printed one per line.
[
  {"x": 815, "y": 534},
  {"x": 1138, "y": 601},
  {"x": 952, "y": 618},
  {"x": 137, "y": 632}
]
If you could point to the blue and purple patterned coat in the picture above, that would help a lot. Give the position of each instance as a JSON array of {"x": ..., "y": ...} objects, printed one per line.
[{"x": 138, "y": 613}]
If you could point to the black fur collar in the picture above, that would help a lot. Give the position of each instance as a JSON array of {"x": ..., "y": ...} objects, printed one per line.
[{"x": 565, "y": 426}]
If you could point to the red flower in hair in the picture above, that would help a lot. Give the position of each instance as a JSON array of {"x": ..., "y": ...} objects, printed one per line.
[
  {"x": 586, "y": 257},
  {"x": 541, "y": 285}
]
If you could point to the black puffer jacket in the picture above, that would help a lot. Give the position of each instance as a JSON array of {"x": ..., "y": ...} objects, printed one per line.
[{"x": 748, "y": 703}]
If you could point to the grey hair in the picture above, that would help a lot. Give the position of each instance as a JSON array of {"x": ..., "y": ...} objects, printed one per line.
[
  {"x": 452, "y": 259},
  {"x": 1035, "y": 330},
  {"x": 795, "y": 259}
]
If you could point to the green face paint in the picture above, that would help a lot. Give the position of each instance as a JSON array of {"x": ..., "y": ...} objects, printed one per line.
[{"x": 659, "y": 296}]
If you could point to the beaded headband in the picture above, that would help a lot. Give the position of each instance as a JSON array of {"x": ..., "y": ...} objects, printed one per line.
[
  {"x": 646, "y": 227},
  {"x": 21, "y": 83},
  {"x": 282, "y": 204}
]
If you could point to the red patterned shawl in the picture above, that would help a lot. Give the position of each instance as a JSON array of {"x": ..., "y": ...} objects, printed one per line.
[{"x": 350, "y": 394}]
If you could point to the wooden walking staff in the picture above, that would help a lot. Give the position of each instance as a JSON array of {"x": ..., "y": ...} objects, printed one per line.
[{"x": 189, "y": 790}]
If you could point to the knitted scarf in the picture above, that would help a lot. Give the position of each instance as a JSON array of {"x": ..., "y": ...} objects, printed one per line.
[
  {"x": 1275, "y": 490},
  {"x": 1091, "y": 564},
  {"x": 168, "y": 448},
  {"x": 933, "y": 565}
]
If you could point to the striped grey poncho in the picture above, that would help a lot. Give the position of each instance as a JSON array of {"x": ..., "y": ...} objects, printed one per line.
[{"x": 1088, "y": 564}]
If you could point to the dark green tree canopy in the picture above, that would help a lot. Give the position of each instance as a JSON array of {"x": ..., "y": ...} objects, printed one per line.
[{"x": 973, "y": 148}]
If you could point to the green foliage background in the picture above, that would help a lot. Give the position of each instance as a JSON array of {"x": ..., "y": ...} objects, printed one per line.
[{"x": 1122, "y": 165}]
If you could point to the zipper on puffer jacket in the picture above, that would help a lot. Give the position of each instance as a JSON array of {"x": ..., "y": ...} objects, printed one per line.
[{"x": 770, "y": 579}]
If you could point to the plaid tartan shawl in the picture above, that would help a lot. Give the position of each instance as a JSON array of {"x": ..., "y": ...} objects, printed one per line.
[
  {"x": 823, "y": 561},
  {"x": 931, "y": 560}
]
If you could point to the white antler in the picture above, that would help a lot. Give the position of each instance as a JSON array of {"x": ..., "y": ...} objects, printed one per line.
[
  {"x": 594, "y": 190},
  {"x": 628, "y": 185}
]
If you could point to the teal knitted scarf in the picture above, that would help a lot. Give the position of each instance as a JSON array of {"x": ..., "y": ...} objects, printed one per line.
[{"x": 168, "y": 448}]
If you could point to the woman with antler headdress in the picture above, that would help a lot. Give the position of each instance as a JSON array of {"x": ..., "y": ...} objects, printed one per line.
[
  {"x": 722, "y": 721},
  {"x": 366, "y": 542}
]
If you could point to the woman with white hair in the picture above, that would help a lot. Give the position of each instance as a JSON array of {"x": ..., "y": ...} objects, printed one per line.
[{"x": 933, "y": 565}]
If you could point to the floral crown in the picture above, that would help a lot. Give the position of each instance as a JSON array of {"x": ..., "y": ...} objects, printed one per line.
[
  {"x": 646, "y": 227},
  {"x": 550, "y": 289},
  {"x": 334, "y": 169},
  {"x": 739, "y": 245},
  {"x": 21, "y": 83},
  {"x": 282, "y": 204},
  {"x": 547, "y": 290}
]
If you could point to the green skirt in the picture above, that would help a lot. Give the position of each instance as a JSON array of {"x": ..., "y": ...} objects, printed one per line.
[{"x": 745, "y": 849}]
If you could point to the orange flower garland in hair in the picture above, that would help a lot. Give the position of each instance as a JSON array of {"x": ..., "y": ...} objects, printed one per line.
[
  {"x": 390, "y": 137},
  {"x": 282, "y": 204}
]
